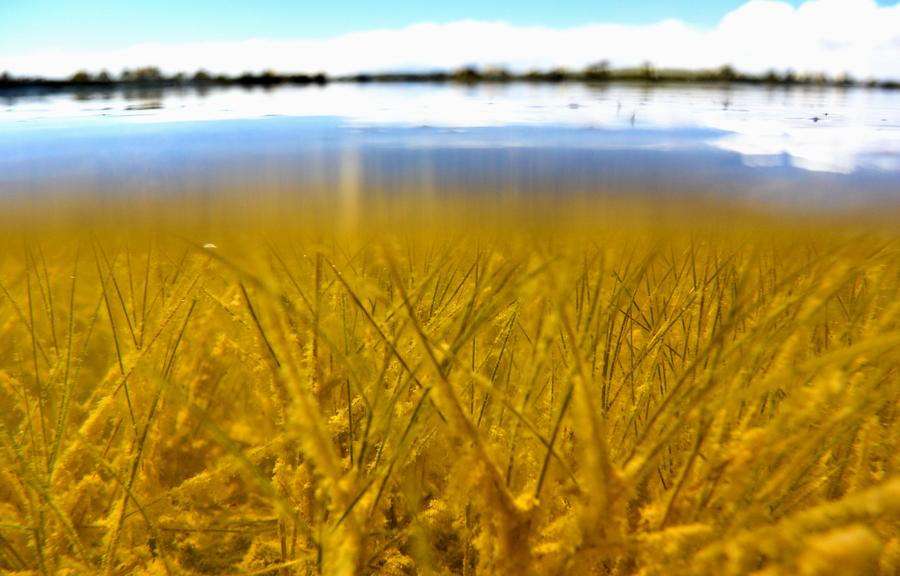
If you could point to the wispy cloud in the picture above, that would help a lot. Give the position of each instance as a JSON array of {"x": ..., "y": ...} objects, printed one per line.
[{"x": 858, "y": 37}]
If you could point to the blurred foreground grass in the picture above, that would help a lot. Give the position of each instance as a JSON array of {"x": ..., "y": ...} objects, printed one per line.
[{"x": 590, "y": 389}]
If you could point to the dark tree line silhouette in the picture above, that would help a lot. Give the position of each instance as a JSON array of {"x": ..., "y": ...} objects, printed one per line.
[{"x": 596, "y": 73}]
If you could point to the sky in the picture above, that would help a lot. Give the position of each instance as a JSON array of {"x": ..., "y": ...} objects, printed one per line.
[{"x": 55, "y": 38}]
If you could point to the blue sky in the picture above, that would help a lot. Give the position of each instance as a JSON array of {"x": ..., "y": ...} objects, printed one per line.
[
  {"x": 28, "y": 25},
  {"x": 54, "y": 38}
]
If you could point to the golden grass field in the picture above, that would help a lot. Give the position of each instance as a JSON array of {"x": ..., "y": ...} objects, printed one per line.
[{"x": 476, "y": 391}]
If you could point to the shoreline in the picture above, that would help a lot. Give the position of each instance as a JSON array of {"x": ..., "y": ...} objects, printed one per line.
[{"x": 468, "y": 76}]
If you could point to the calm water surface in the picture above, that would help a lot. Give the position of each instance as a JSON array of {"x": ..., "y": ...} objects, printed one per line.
[{"x": 802, "y": 146}]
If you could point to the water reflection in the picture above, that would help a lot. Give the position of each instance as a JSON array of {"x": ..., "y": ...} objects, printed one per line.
[{"x": 766, "y": 142}]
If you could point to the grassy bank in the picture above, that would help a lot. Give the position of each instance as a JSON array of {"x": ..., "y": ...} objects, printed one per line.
[{"x": 564, "y": 391}]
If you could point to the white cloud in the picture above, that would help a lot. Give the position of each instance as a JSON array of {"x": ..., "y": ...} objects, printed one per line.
[{"x": 833, "y": 36}]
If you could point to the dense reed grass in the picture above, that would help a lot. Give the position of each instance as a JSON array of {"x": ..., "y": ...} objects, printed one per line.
[{"x": 570, "y": 392}]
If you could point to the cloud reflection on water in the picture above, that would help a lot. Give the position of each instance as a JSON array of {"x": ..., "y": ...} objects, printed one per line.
[{"x": 817, "y": 129}]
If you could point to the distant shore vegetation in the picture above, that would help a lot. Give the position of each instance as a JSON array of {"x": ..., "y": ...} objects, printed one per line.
[{"x": 600, "y": 72}]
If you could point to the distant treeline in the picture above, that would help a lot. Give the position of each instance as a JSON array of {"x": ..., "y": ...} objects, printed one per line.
[
  {"x": 598, "y": 73},
  {"x": 152, "y": 77}
]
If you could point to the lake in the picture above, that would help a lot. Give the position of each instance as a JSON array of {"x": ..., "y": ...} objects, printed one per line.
[{"x": 802, "y": 146}]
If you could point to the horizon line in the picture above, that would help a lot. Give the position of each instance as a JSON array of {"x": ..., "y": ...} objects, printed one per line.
[{"x": 599, "y": 72}]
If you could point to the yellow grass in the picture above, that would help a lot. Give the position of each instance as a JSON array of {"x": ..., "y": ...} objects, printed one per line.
[{"x": 592, "y": 389}]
